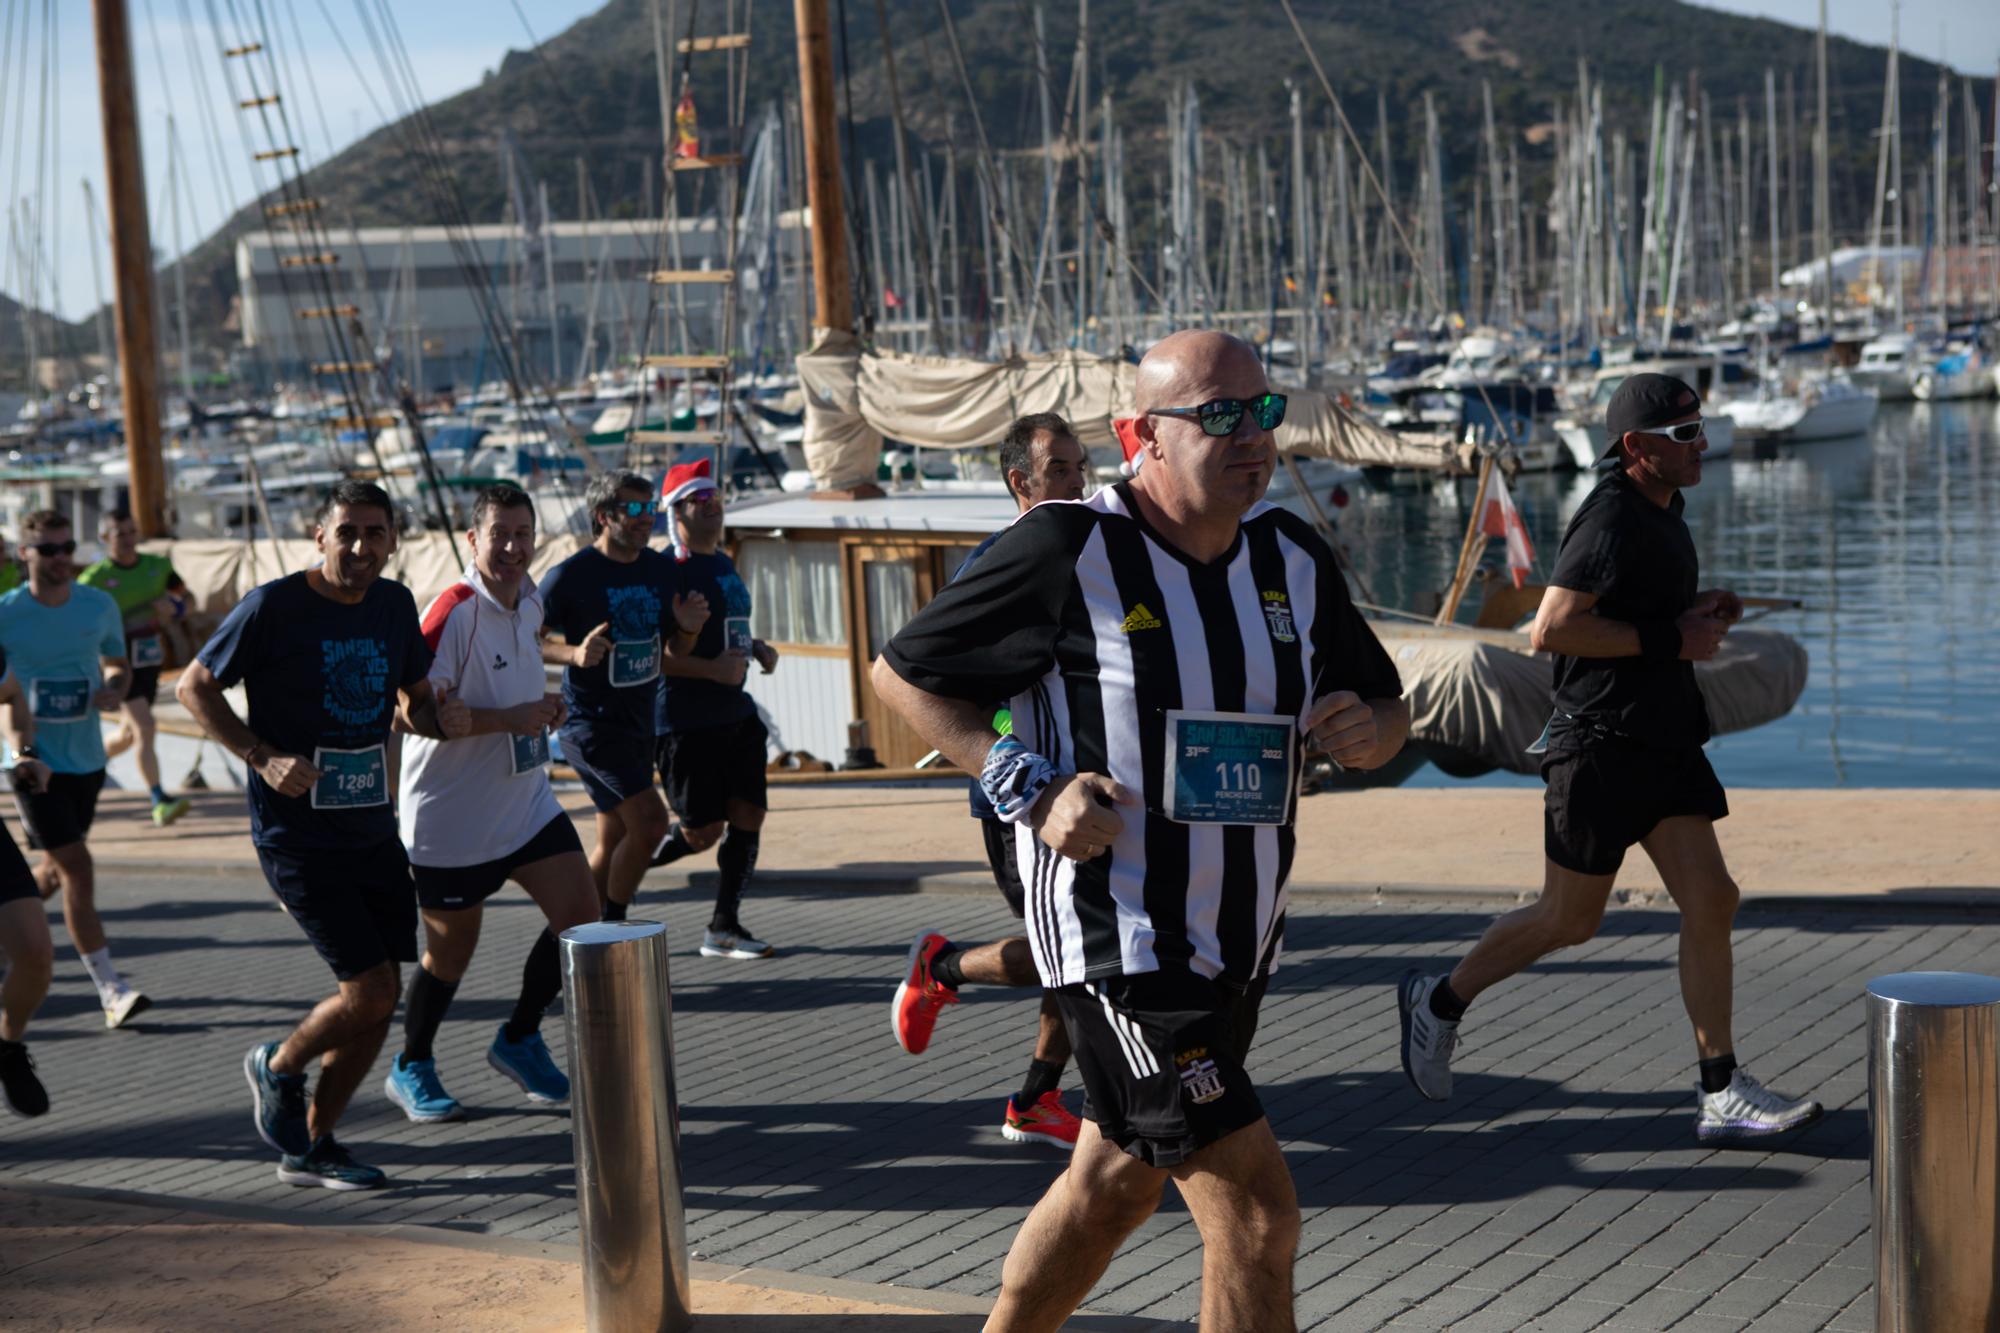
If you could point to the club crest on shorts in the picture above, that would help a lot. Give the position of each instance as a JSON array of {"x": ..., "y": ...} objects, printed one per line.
[
  {"x": 1201, "y": 1081},
  {"x": 1278, "y": 615}
]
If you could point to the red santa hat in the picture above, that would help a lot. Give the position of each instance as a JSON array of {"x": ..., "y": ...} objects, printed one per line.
[
  {"x": 686, "y": 481},
  {"x": 1127, "y": 430}
]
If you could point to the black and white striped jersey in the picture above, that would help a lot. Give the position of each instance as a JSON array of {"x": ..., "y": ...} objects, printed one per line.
[{"x": 1093, "y": 626}]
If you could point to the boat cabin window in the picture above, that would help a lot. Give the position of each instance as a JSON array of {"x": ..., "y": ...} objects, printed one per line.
[
  {"x": 1600, "y": 395},
  {"x": 892, "y": 600},
  {"x": 795, "y": 592}
]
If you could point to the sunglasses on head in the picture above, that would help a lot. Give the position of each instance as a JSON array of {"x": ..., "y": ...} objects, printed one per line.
[
  {"x": 1687, "y": 432},
  {"x": 52, "y": 548},
  {"x": 1221, "y": 416}
]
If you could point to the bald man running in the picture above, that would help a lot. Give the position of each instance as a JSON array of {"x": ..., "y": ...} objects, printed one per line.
[{"x": 1168, "y": 648}]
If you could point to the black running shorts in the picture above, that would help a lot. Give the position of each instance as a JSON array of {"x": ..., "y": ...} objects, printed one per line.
[
  {"x": 16, "y": 880},
  {"x": 454, "y": 888},
  {"x": 1161, "y": 1055},
  {"x": 1602, "y": 800},
  {"x": 62, "y": 815},
  {"x": 145, "y": 685},
  {"x": 702, "y": 771},
  {"x": 1006, "y": 870},
  {"x": 614, "y": 765},
  {"x": 357, "y": 906}
]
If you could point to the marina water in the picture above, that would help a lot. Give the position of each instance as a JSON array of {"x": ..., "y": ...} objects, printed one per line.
[{"x": 1891, "y": 541}]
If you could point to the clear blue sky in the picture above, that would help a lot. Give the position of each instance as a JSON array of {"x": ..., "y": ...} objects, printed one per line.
[{"x": 451, "y": 43}]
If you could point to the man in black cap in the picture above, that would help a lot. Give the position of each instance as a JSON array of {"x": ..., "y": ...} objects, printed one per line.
[{"x": 1624, "y": 764}]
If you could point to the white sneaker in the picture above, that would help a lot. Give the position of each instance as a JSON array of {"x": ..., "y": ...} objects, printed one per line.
[
  {"x": 1428, "y": 1040},
  {"x": 733, "y": 944},
  {"x": 1747, "y": 1111},
  {"x": 122, "y": 1004}
]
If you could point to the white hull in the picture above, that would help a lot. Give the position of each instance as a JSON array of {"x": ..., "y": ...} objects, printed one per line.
[
  {"x": 1890, "y": 386},
  {"x": 1791, "y": 419},
  {"x": 1932, "y": 387}
]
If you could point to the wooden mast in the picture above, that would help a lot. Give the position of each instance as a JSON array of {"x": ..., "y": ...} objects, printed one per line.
[
  {"x": 833, "y": 294},
  {"x": 132, "y": 266}
]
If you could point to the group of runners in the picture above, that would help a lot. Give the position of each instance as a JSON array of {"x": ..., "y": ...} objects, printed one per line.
[
  {"x": 1134, "y": 677},
  {"x": 397, "y": 769}
]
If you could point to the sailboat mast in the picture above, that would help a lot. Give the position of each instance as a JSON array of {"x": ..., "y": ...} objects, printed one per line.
[
  {"x": 131, "y": 265},
  {"x": 1822, "y": 189},
  {"x": 833, "y": 293}
]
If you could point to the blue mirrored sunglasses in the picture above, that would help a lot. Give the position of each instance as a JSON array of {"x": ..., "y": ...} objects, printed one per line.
[{"x": 1220, "y": 416}]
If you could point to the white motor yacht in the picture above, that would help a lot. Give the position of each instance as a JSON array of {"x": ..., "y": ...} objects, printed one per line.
[
  {"x": 1829, "y": 408},
  {"x": 1889, "y": 366}
]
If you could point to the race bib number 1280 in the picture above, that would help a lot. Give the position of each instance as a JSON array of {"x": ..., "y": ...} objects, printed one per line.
[{"x": 350, "y": 779}]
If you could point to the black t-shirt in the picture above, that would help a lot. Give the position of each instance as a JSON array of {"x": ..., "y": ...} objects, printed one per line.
[
  {"x": 635, "y": 598},
  {"x": 1640, "y": 561},
  {"x": 684, "y": 703},
  {"x": 321, "y": 676}
]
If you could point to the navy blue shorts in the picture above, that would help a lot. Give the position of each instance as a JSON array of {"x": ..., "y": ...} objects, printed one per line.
[
  {"x": 357, "y": 905},
  {"x": 615, "y": 765},
  {"x": 455, "y": 888}
]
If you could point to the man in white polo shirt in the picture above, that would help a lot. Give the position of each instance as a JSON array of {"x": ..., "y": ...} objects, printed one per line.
[{"x": 477, "y": 811}]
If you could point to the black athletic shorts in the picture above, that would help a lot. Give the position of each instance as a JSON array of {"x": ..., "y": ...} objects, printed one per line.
[
  {"x": 453, "y": 888},
  {"x": 1602, "y": 800},
  {"x": 145, "y": 684},
  {"x": 357, "y": 906},
  {"x": 1161, "y": 1055},
  {"x": 614, "y": 765},
  {"x": 1006, "y": 870},
  {"x": 16, "y": 880},
  {"x": 702, "y": 771},
  {"x": 62, "y": 815}
]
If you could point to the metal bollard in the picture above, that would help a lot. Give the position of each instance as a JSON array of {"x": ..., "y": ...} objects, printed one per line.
[
  {"x": 1934, "y": 1105},
  {"x": 627, "y": 1124}
]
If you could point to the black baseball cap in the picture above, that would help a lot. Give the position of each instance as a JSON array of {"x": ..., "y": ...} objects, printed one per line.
[{"x": 1644, "y": 402}]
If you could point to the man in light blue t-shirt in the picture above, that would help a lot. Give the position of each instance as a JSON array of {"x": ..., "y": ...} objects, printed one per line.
[{"x": 66, "y": 645}]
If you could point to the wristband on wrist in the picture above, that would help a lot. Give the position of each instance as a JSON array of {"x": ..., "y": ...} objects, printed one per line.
[
  {"x": 1659, "y": 640},
  {"x": 256, "y": 755},
  {"x": 26, "y": 752},
  {"x": 1014, "y": 778}
]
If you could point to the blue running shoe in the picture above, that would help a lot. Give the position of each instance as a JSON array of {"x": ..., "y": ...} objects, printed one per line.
[
  {"x": 414, "y": 1086},
  {"x": 329, "y": 1166},
  {"x": 281, "y": 1102},
  {"x": 529, "y": 1064}
]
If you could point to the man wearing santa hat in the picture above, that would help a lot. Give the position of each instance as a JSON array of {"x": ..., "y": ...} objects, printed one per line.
[{"x": 710, "y": 743}]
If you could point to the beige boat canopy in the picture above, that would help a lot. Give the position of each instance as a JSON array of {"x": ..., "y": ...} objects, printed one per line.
[{"x": 856, "y": 397}]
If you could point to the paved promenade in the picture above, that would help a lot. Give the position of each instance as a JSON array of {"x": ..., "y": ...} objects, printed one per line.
[{"x": 1561, "y": 1189}]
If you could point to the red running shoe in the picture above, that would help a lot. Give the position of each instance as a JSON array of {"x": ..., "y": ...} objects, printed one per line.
[
  {"x": 921, "y": 996},
  {"x": 1047, "y": 1121}
]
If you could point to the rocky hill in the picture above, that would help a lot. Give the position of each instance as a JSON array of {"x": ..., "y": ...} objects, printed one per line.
[{"x": 591, "y": 92}]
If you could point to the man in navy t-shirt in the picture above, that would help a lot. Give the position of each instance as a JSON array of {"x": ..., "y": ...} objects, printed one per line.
[
  {"x": 618, "y": 608},
  {"x": 324, "y": 657},
  {"x": 711, "y": 742}
]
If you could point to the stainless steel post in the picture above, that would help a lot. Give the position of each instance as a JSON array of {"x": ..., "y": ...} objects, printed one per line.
[
  {"x": 627, "y": 1125},
  {"x": 1934, "y": 1104}
]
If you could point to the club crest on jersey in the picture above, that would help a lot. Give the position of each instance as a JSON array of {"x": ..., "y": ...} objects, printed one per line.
[
  {"x": 1138, "y": 618},
  {"x": 1278, "y": 615},
  {"x": 1201, "y": 1081}
]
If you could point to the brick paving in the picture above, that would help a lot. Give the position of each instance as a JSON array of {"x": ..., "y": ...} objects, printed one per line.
[{"x": 1561, "y": 1189}]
